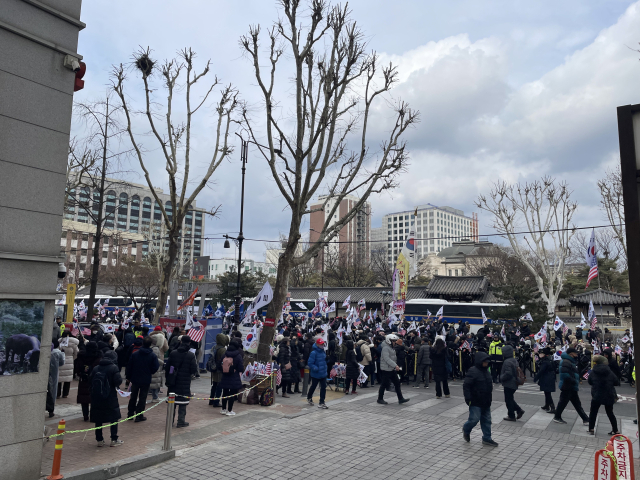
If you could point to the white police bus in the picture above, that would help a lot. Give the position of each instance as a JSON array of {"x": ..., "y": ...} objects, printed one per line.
[{"x": 453, "y": 312}]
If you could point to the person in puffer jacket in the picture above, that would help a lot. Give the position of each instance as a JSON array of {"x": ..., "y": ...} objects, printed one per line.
[
  {"x": 603, "y": 382},
  {"x": 569, "y": 385},
  {"x": 158, "y": 348},
  {"x": 509, "y": 380},
  {"x": 69, "y": 346},
  {"x": 318, "y": 371},
  {"x": 389, "y": 369}
]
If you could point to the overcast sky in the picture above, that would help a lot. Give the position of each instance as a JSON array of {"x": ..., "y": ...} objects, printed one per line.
[{"x": 507, "y": 90}]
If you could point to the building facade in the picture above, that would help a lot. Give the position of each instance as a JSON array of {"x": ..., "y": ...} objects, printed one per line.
[
  {"x": 133, "y": 227},
  {"x": 437, "y": 228},
  {"x": 38, "y": 60},
  {"x": 451, "y": 261},
  {"x": 220, "y": 266},
  {"x": 352, "y": 242}
]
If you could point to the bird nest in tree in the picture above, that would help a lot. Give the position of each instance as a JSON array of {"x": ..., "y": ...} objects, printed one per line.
[{"x": 144, "y": 63}]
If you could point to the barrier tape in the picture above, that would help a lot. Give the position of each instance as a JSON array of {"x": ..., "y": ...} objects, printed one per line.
[
  {"x": 108, "y": 424},
  {"x": 234, "y": 395},
  {"x": 150, "y": 408}
]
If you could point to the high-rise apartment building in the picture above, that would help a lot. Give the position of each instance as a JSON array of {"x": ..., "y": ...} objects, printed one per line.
[
  {"x": 353, "y": 240},
  {"x": 436, "y": 228},
  {"x": 133, "y": 227}
]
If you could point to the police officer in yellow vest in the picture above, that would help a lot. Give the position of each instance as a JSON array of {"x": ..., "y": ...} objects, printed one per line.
[{"x": 495, "y": 352}]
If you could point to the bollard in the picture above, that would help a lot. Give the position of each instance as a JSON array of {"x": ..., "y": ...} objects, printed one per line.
[
  {"x": 305, "y": 382},
  {"x": 57, "y": 454},
  {"x": 171, "y": 405}
]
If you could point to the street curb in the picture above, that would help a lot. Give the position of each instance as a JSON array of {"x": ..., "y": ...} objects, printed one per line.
[{"x": 105, "y": 472}]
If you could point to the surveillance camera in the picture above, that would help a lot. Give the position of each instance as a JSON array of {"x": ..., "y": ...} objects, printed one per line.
[
  {"x": 62, "y": 270},
  {"x": 72, "y": 63}
]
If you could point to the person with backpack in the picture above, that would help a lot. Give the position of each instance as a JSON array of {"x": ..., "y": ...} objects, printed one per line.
[
  {"x": 477, "y": 388},
  {"x": 214, "y": 365},
  {"x": 509, "y": 377},
  {"x": 179, "y": 368},
  {"x": 423, "y": 364},
  {"x": 105, "y": 379},
  {"x": 56, "y": 361},
  {"x": 232, "y": 367},
  {"x": 318, "y": 371},
  {"x": 363, "y": 356},
  {"x": 353, "y": 369},
  {"x": 140, "y": 369},
  {"x": 546, "y": 378}
]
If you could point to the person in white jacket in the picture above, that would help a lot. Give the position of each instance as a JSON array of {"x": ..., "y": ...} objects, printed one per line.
[
  {"x": 69, "y": 346},
  {"x": 55, "y": 362}
]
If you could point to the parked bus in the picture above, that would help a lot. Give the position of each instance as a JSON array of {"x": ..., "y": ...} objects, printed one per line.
[{"x": 453, "y": 312}]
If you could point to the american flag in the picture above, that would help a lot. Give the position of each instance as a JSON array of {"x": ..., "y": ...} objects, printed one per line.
[
  {"x": 196, "y": 334},
  {"x": 592, "y": 315},
  {"x": 535, "y": 347},
  {"x": 268, "y": 369},
  {"x": 565, "y": 329},
  {"x": 586, "y": 375},
  {"x": 86, "y": 331},
  {"x": 591, "y": 258},
  {"x": 465, "y": 346},
  {"x": 278, "y": 377}
]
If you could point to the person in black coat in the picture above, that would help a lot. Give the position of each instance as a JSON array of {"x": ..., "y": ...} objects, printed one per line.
[
  {"x": 308, "y": 346},
  {"x": 546, "y": 378},
  {"x": 105, "y": 379},
  {"x": 477, "y": 388},
  {"x": 613, "y": 363},
  {"x": 141, "y": 367},
  {"x": 231, "y": 382},
  {"x": 401, "y": 360},
  {"x": 183, "y": 363},
  {"x": 284, "y": 360},
  {"x": 439, "y": 367},
  {"x": 296, "y": 356},
  {"x": 603, "y": 392},
  {"x": 85, "y": 362},
  {"x": 353, "y": 369}
]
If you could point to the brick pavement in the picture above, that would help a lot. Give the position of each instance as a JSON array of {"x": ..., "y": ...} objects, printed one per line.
[{"x": 358, "y": 438}]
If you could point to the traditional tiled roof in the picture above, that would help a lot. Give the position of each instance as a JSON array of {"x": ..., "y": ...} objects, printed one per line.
[
  {"x": 445, "y": 287},
  {"x": 339, "y": 294},
  {"x": 601, "y": 296}
]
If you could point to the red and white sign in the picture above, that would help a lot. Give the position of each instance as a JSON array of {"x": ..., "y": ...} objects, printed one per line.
[
  {"x": 603, "y": 468},
  {"x": 623, "y": 452},
  {"x": 269, "y": 322}
]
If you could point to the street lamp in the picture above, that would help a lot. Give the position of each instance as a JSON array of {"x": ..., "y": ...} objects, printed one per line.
[{"x": 240, "y": 238}]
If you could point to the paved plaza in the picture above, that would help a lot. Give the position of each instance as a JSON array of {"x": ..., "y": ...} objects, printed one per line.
[{"x": 358, "y": 438}]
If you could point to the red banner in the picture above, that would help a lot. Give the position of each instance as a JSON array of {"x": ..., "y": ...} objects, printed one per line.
[
  {"x": 189, "y": 301},
  {"x": 269, "y": 322},
  {"x": 169, "y": 323}
]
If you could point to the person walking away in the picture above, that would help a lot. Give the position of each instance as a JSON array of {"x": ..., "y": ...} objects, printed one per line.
[
  {"x": 363, "y": 356},
  {"x": 569, "y": 386},
  {"x": 69, "y": 346},
  {"x": 603, "y": 382},
  {"x": 318, "y": 372},
  {"x": 509, "y": 380},
  {"x": 159, "y": 345},
  {"x": 55, "y": 362},
  {"x": 232, "y": 367},
  {"x": 218, "y": 351},
  {"x": 438, "y": 355},
  {"x": 353, "y": 369},
  {"x": 284, "y": 360},
  {"x": 182, "y": 362},
  {"x": 546, "y": 378},
  {"x": 495, "y": 350},
  {"x": 141, "y": 367},
  {"x": 477, "y": 388},
  {"x": 87, "y": 360},
  {"x": 388, "y": 369},
  {"x": 105, "y": 379},
  {"x": 612, "y": 361},
  {"x": 423, "y": 364}
]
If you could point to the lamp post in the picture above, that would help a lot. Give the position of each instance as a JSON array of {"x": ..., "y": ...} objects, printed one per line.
[{"x": 240, "y": 238}]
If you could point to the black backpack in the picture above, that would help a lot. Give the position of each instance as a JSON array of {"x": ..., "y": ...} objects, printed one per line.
[
  {"x": 212, "y": 365},
  {"x": 100, "y": 387},
  {"x": 359, "y": 356}
]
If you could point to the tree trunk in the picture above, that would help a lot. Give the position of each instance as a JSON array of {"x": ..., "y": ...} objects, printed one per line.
[
  {"x": 274, "y": 309},
  {"x": 166, "y": 276}
]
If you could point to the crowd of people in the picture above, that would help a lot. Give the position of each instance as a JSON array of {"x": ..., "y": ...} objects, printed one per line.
[{"x": 355, "y": 354}]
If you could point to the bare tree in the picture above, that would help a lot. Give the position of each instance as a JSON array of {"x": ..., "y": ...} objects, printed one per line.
[
  {"x": 135, "y": 280},
  {"x": 335, "y": 84},
  {"x": 545, "y": 210},
  {"x": 173, "y": 136},
  {"x": 381, "y": 267},
  {"x": 501, "y": 267},
  {"x": 607, "y": 246},
  {"x": 345, "y": 268},
  {"x": 158, "y": 249},
  {"x": 612, "y": 203}
]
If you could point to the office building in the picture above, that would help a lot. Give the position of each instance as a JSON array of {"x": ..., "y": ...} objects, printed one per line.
[
  {"x": 220, "y": 266},
  {"x": 352, "y": 242}
]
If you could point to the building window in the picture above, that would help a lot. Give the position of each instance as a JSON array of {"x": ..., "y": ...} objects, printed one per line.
[
  {"x": 122, "y": 211},
  {"x": 110, "y": 209}
]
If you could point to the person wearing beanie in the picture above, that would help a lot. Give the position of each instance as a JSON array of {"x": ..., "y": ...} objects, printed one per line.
[
  {"x": 546, "y": 378},
  {"x": 105, "y": 407},
  {"x": 569, "y": 385},
  {"x": 318, "y": 372},
  {"x": 509, "y": 380},
  {"x": 182, "y": 362},
  {"x": 603, "y": 382}
]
